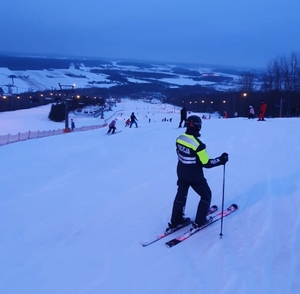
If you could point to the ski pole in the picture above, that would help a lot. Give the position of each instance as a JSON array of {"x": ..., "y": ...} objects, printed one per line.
[{"x": 221, "y": 232}]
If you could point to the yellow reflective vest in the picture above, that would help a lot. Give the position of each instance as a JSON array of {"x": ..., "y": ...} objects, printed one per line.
[{"x": 192, "y": 157}]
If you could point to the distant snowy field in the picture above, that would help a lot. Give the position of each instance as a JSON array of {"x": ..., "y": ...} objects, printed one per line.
[{"x": 46, "y": 79}]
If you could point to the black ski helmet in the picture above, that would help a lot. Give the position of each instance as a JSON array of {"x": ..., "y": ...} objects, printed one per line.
[{"x": 194, "y": 123}]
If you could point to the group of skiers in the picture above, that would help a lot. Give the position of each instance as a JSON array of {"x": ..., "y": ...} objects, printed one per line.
[
  {"x": 183, "y": 117},
  {"x": 262, "y": 111},
  {"x": 251, "y": 114},
  {"x": 192, "y": 158},
  {"x": 129, "y": 122}
]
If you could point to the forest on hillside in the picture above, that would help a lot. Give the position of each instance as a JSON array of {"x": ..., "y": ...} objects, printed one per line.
[{"x": 280, "y": 87}]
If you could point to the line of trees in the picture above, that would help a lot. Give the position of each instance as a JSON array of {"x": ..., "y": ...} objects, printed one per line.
[
  {"x": 283, "y": 74},
  {"x": 280, "y": 84}
]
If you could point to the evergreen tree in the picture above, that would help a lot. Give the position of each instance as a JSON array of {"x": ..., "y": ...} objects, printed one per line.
[{"x": 57, "y": 112}]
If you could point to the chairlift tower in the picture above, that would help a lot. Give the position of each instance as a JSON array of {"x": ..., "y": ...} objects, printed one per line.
[
  {"x": 280, "y": 106},
  {"x": 11, "y": 86},
  {"x": 67, "y": 89}
]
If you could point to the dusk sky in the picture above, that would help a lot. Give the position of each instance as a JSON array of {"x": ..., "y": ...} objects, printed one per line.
[{"x": 245, "y": 33}]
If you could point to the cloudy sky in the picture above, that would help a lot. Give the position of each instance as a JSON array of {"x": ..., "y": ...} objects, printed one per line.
[{"x": 225, "y": 32}]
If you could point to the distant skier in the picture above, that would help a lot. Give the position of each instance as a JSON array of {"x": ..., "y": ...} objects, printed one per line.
[
  {"x": 263, "y": 108},
  {"x": 251, "y": 112},
  {"x": 192, "y": 158},
  {"x": 112, "y": 126},
  {"x": 127, "y": 123},
  {"x": 133, "y": 120},
  {"x": 72, "y": 124},
  {"x": 183, "y": 115},
  {"x": 225, "y": 114}
]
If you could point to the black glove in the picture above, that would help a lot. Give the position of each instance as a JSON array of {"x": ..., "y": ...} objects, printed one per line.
[{"x": 224, "y": 158}]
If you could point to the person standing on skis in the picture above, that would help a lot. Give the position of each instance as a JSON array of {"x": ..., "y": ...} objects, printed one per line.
[
  {"x": 251, "y": 112},
  {"x": 112, "y": 126},
  {"x": 127, "y": 123},
  {"x": 72, "y": 124},
  {"x": 262, "y": 111},
  {"x": 192, "y": 158},
  {"x": 183, "y": 115},
  {"x": 133, "y": 120}
]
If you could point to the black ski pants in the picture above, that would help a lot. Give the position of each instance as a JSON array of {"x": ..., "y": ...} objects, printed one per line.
[
  {"x": 182, "y": 120},
  {"x": 111, "y": 129},
  {"x": 202, "y": 189}
]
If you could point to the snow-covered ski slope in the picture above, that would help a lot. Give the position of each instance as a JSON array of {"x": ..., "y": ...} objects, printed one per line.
[{"x": 75, "y": 207}]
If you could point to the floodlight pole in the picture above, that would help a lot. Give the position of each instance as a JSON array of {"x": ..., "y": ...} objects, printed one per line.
[{"x": 67, "y": 90}]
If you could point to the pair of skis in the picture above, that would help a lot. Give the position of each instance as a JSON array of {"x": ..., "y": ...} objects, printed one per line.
[
  {"x": 116, "y": 132},
  {"x": 232, "y": 208}
]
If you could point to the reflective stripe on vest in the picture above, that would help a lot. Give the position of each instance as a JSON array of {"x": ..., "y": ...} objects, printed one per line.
[
  {"x": 186, "y": 160},
  {"x": 188, "y": 141}
]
